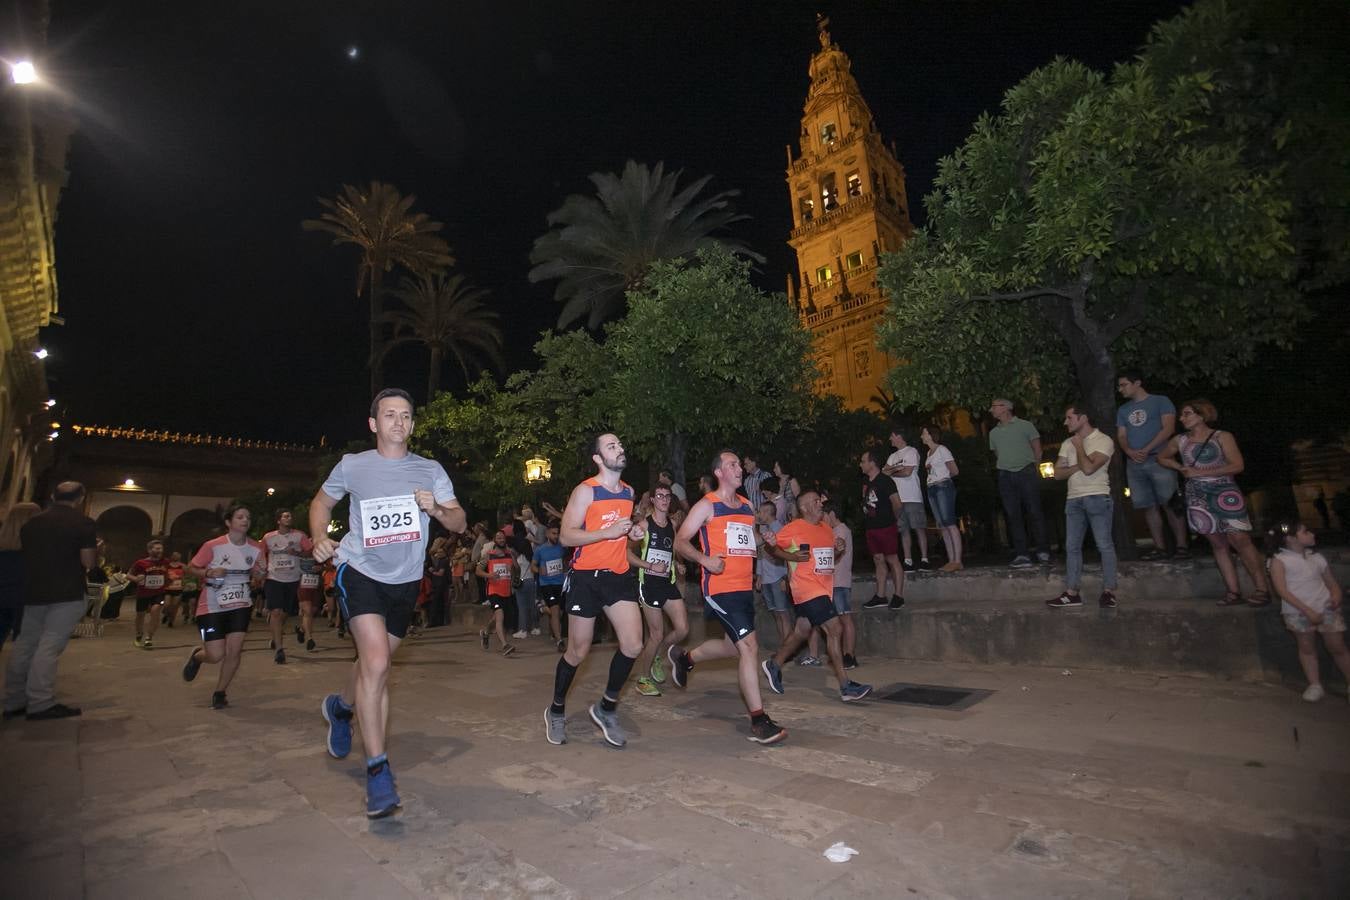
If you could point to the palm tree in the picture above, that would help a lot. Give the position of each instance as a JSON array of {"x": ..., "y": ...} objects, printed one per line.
[
  {"x": 600, "y": 246},
  {"x": 378, "y": 220},
  {"x": 448, "y": 317}
]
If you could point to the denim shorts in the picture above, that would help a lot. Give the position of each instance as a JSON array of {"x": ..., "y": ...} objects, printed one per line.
[
  {"x": 942, "y": 497},
  {"x": 775, "y": 595},
  {"x": 843, "y": 600},
  {"x": 1150, "y": 484}
]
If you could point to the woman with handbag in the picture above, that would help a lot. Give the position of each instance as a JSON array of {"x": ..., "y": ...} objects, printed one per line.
[{"x": 1215, "y": 506}]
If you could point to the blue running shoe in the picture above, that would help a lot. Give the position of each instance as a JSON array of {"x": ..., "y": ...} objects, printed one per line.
[
  {"x": 339, "y": 719},
  {"x": 774, "y": 674},
  {"x": 381, "y": 797}
]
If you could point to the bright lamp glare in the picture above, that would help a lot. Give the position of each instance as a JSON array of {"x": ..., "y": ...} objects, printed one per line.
[
  {"x": 23, "y": 72},
  {"x": 51, "y": 403},
  {"x": 40, "y": 353}
]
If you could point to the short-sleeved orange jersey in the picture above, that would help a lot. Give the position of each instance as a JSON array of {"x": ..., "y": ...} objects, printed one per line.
[
  {"x": 729, "y": 532},
  {"x": 815, "y": 577},
  {"x": 607, "y": 507}
]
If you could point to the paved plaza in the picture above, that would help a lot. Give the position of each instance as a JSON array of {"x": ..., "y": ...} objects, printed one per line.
[{"x": 1057, "y": 784}]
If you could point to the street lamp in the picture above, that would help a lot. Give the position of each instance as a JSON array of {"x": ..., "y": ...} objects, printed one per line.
[
  {"x": 22, "y": 72},
  {"x": 41, "y": 353},
  {"x": 537, "y": 470}
]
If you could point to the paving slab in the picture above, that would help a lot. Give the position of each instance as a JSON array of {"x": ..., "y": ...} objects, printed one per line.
[{"x": 1091, "y": 784}]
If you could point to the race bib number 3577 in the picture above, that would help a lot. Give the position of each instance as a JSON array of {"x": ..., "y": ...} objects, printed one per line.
[{"x": 390, "y": 520}]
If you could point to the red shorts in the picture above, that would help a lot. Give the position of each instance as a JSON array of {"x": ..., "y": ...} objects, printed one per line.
[{"x": 883, "y": 541}]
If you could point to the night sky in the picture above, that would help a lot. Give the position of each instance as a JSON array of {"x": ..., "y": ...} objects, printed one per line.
[{"x": 195, "y": 302}]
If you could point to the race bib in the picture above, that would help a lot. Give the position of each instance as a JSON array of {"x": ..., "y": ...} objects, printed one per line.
[
  {"x": 657, "y": 557},
  {"x": 283, "y": 561},
  {"x": 500, "y": 571},
  {"x": 740, "y": 539},
  {"x": 553, "y": 567},
  {"x": 232, "y": 595},
  {"x": 390, "y": 520},
  {"x": 824, "y": 559},
  {"x": 154, "y": 582},
  {"x": 309, "y": 581}
]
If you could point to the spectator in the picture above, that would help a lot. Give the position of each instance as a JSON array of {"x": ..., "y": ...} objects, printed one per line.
[
  {"x": 789, "y": 488},
  {"x": 903, "y": 467},
  {"x": 881, "y": 509},
  {"x": 1083, "y": 461},
  {"x": 843, "y": 583},
  {"x": 535, "y": 532},
  {"x": 438, "y": 569},
  {"x": 770, "y": 492},
  {"x": 58, "y": 549},
  {"x": 11, "y": 568},
  {"x": 751, "y": 480},
  {"x": 1017, "y": 452},
  {"x": 1144, "y": 425},
  {"x": 480, "y": 543},
  {"x": 770, "y": 573},
  {"x": 1215, "y": 506},
  {"x": 942, "y": 472},
  {"x": 1310, "y": 600}
]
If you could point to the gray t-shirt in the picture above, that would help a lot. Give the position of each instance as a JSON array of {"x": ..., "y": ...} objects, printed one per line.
[{"x": 387, "y": 536}]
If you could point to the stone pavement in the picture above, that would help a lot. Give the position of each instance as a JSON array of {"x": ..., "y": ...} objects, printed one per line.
[{"x": 1084, "y": 784}]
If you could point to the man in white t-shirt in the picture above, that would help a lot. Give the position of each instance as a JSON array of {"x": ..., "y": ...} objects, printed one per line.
[
  {"x": 904, "y": 469},
  {"x": 1083, "y": 461}
]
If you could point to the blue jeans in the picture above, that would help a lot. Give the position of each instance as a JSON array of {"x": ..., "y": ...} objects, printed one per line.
[
  {"x": 1080, "y": 513},
  {"x": 527, "y": 616},
  {"x": 942, "y": 497},
  {"x": 1021, "y": 492}
]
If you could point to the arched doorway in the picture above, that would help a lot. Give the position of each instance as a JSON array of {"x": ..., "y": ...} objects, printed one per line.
[
  {"x": 192, "y": 529},
  {"x": 125, "y": 530}
]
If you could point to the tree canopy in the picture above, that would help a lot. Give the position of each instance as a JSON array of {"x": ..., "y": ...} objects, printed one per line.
[{"x": 1130, "y": 216}]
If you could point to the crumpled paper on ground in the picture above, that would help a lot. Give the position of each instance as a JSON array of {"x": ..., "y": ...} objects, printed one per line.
[{"x": 840, "y": 852}]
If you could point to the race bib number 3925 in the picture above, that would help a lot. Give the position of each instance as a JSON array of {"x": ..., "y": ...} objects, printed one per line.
[{"x": 390, "y": 520}]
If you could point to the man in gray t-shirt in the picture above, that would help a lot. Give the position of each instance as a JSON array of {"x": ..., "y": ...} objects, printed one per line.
[{"x": 394, "y": 495}]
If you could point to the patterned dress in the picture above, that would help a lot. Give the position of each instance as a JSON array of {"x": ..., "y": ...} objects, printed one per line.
[{"x": 1214, "y": 504}]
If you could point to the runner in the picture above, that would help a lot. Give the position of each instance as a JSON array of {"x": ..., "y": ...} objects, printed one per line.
[
  {"x": 549, "y": 568},
  {"x": 285, "y": 548},
  {"x": 173, "y": 590},
  {"x": 809, "y": 546},
  {"x": 658, "y": 591},
  {"x": 598, "y": 522},
  {"x": 394, "y": 493},
  {"x": 192, "y": 588},
  {"x": 498, "y": 568},
  {"x": 151, "y": 576},
  {"x": 310, "y": 596},
  {"x": 725, "y": 525},
  {"x": 226, "y": 565}
]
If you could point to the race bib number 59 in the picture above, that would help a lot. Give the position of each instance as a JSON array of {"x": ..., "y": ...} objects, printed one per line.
[
  {"x": 740, "y": 539},
  {"x": 390, "y": 520}
]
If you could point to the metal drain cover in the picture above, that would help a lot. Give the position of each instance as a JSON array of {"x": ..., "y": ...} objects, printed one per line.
[{"x": 934, "y": 696}]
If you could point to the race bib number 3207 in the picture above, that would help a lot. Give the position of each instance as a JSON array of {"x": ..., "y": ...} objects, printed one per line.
[{"x": 390, "y": 520}]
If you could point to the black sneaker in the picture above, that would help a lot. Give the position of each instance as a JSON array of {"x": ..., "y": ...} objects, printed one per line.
[
  {"x": 16, "y": 713},
  {"x": 925, "y": 565},
  {"x": 1066, "y": 601},
  {"x": 272, "y": 644},
  {"x": 280, "y": 658},
  {"x": 875, "y": 603},
  {"x": 850, "y": 661},
  {"x": 679, "y": 665},
  {"x": 299, "y": 635},
  {"x": 1154, "y": 555},
  {"x": 55, "y": 711},
  {"x": 1021, "y": 561},
  {"x": 192, "y": 666},
  {"x": 561, "y": 645},
  {"x": 218, "y": 700},
  {"x": 907, "y": 565},
  {"x": 767, "y": 731},
  {"x": 309, "y": 645},
  {"x": 1107, "y": 600},
  {"x": 897, "y": 602}
]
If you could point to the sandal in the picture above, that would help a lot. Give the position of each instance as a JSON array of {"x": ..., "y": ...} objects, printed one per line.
[
  {"x": 1259, "y": 599},
  {"x": 1232, "y": 598}
]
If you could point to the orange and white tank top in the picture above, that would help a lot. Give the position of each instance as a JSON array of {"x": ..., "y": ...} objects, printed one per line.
[
  {"x": 607, "y": 507},
  {"x": 729, "y": 532}
]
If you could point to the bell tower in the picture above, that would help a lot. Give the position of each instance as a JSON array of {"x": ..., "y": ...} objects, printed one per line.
[{"x": 848, "y": 207}]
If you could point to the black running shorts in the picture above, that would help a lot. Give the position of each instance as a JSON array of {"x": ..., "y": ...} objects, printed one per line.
[
  {"x": 591, "y": 590},
  {"x": 362, "y": 596},
  {"x": 736, "y": 611},
  {"x": 282, "y": 595},
  {"x": 214, "y": 626},
  {"x": 817, "y": 610}
]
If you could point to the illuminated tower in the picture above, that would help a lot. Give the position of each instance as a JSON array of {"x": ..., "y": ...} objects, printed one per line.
[{"x": 848, "y": 207}]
